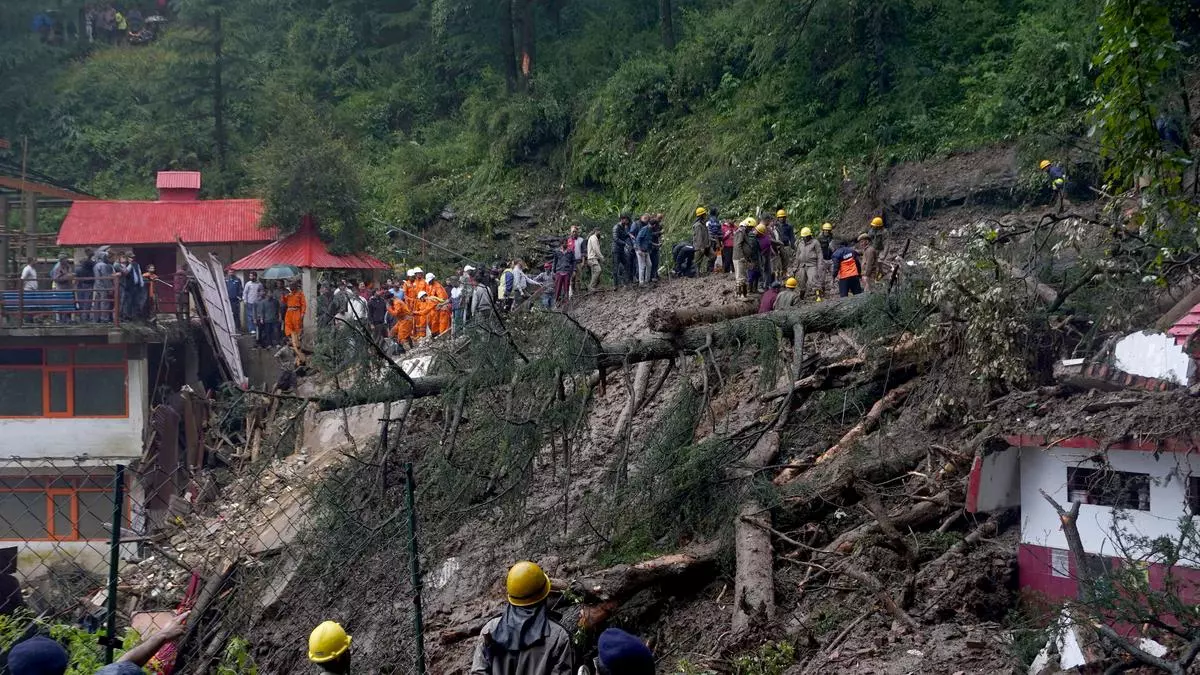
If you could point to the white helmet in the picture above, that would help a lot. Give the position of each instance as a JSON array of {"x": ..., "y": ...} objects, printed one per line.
[
  {"x": 429, "y": 277},
  {"x": 421, "y": 294}
]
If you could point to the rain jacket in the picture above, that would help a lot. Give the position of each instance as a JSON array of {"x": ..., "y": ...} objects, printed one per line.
[{"x": 523, "y": 641}]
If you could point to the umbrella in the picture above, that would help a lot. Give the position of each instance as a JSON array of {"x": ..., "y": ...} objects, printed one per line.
[{"x": 281, "y": 272}]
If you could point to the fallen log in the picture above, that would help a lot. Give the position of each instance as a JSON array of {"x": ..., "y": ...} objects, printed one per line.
[
  {"x": 821, "y": 317},
  {"x": 753, "y": 580},
  {"x": 1045, "y": 293},
  {"x": 672, "y": 321},
  {"x": 868, "y": 423}
]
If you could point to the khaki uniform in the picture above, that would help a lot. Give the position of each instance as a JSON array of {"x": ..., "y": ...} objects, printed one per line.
[
  {"x": 808, "y": 265},
  {"x": 787, "y": 299}
]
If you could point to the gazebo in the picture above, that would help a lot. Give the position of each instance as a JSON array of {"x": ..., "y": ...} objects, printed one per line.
[{"x": 305, "y": 250}]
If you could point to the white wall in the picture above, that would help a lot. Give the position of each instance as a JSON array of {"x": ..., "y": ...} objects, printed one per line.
[
  {"x": 1047, "y": 470},
  {"x": 1154, "y": 355},
  {"x": 66, "y": 438}
]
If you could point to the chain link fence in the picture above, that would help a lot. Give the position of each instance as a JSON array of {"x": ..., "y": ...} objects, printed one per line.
[{"x": 260, "y": 514}]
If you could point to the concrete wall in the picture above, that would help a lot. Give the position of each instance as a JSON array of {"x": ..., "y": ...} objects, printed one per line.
[
  {"x": 1047, "y": 470},
  {"x": 59, "y": 438},
  {"x": 1154, "y": 355}
]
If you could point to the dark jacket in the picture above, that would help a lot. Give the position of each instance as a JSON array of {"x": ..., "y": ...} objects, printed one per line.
[
  {"x": 233, "y": 286},
  {"x": 620, "y": 238},
  {"x": 825, "y": 239},
  {"x": 564, "y": 261},
  {"x": 701, "y": 238},
  {"x": 787, "y": 233},
  {"x": 377, "y": 308},
  {"x": 269, "y": 307}
]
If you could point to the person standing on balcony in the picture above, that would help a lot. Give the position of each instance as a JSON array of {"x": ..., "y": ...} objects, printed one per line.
[{"x": 102, "y": 295}]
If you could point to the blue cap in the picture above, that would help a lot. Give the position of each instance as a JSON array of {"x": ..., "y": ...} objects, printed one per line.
[
  {"x": 37, "y": 656},
  {"x": 624, "y": 654}
]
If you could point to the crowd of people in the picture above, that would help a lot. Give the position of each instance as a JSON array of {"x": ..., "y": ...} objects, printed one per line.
[
  {"x": 103, "y": 23},
  {"x": 104, "y": 285}
]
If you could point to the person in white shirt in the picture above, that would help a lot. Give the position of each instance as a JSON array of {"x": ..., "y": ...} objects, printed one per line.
[
  {"x": 252, "y": 294},
  {"x": 594, "y": 259},
  {"x": 29, "y": 276}
]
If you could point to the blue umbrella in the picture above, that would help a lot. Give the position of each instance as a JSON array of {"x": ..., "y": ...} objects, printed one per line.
[{"x": 281, "y": 272}]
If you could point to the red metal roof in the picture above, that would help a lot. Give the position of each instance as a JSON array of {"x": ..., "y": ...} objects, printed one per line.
[
  {"x": 178, "y": 180},
  {"x": 304, "y": 248},
  {"x": 134, "y": 223},
  {"x": 1186, "y": 326}
]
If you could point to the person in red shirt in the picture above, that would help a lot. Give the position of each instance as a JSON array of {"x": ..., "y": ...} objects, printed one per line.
[
  {"x": 846, "y": 266},
  {"x": 728, "y": 229}
]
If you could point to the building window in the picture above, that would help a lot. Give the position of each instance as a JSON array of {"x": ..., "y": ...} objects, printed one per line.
[
  {"x": 1193, "y": 494},
  {"x": 1106, "y": 487},
  {"x": 43, "y": 508},
  {"x": 1060, "y": 563},
  {"x": 64, "y": 382}
]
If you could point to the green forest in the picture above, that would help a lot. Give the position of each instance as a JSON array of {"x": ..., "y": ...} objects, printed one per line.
[{"x": 368, "y": 112}]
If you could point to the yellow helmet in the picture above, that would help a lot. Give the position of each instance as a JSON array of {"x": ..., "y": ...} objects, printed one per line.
[
  {"x": 760, "y": 228},
  {"x": 827, "y": 227},
  {"x": 791, "y": 282},
  {"x": 327, "y": 642},
  {"x": 701, "y": 211},
  {"x": 749, "y": 222},
  {"x": 877, "y": 221},
  {"x": 527, "y": 584},
  {"x": 781, "y": 214},
  {"x": 806, "y": 232},
  {"x": 1044, "y": 164}
]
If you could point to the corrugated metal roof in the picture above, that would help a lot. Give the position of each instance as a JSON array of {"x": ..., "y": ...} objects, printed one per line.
[
  {"x": 304, "y": 248},
  {"x": 1186, "y": 326},
  {"x": 135, "y": 223},
  {"x": 178, "y": 180}
]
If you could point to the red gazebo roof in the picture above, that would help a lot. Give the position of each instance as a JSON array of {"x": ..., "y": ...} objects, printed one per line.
[{"x": 303, "y": 248}]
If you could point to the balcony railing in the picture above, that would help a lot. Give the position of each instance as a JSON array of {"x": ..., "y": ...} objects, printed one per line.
[{"x": 85, "y": 300}]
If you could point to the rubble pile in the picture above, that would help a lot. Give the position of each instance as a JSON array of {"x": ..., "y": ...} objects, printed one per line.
[{"x": 206, "y": 539}]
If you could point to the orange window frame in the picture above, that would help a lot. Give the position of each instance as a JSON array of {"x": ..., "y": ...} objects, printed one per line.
[
  {"x": 69, "y": 370},
  {"x": 73, "y": 491}
]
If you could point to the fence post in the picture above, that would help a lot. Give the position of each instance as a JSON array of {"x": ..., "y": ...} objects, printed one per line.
[
  {"x": 415, "y": 565},
  {"x": 110, "y": 640}
]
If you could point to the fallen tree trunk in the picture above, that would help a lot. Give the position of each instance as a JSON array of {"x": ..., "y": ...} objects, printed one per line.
[
  {"x": 868, "y": 423},
  {"x": 1179, "y": 310},
  {"x": 753, "y": 580},
  {"x": 1047, "y": 294},
  {"x": 672, "y": 321},
  {"x": 821, "y": 317}
]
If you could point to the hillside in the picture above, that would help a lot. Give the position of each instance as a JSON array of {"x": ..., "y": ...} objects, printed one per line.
[
  {"x": 405, "y": 112},
  {"x": 789, "y": 491}
]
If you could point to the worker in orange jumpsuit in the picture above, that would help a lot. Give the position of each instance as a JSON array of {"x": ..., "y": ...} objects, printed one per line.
[
  {"x": 295, "y": 305},
  {"x": 422, "y": 310},
  {"x": 439, "y": 322},
  {"x": 402, "y": 329},
  {"x": 418, "y": 283},
  {"x": 410, "y": 286}
]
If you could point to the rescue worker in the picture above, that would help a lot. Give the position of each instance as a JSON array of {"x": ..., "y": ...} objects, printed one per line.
[
  {"x": 295, "y": 305},
  {"x": 401, "y": 314},
  {"x": 714, "y": 235},
  {"x": 745, "y": 255},
  {"x": 808, "y": 261},
  {"x": 409, "y": 288},
  {"x": 787, "y": 233},
  {"x": 846, "y": 266},
  {"x": 870, "y": 260},
  {"x": 329, "y": 648},
  {"x": 825, "y": 239},
  {"x": 767, "y": 302},
  {"x": 422, "y": 310},
  {"x": 440, "y": 316},
  {"x": 877, "y": 238},
  {"x": 418, "y": 282},
  {"x": 619, "y": 653},
  {"x": 788, "y": 297},
  {"x": 1058, "y": 180},
  {"x": 524, "y": 640},
  {"x": 701, "y": 240},
  {"x": 766, "y": 250}
]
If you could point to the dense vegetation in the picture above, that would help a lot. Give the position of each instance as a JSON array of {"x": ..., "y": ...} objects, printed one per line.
[{"x": 393, "y": 110}]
